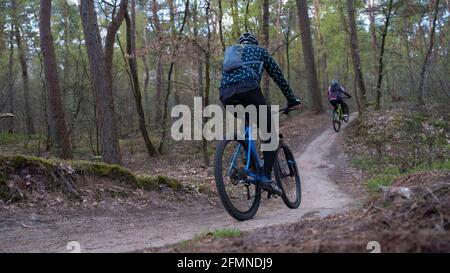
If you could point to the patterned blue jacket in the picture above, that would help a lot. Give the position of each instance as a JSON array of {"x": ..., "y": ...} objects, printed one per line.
[{"x": 254, "y": 53}]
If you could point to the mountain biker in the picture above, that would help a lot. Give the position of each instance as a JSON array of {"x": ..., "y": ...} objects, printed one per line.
[
  {"x": 241, "y": 87},
  {"x": 335, "y": 91}
]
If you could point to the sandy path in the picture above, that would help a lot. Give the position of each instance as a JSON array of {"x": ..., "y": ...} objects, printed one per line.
[{"x": 131, "y": 230}]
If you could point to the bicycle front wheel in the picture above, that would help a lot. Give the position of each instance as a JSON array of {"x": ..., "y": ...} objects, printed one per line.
[
  {"x": 287, "y": 176},
  {"x": 346, "y": 114},
  {"x": 239, "y": 197},
  {"x": 336, "y": 122}
]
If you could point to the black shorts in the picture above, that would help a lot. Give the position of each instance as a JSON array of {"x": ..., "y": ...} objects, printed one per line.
[{"x": 252, "y": 97}]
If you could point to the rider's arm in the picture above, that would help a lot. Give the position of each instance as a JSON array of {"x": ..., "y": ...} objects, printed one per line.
[
  {"x": 275, "y": 73},
  {"x": 345, "y": 92}
]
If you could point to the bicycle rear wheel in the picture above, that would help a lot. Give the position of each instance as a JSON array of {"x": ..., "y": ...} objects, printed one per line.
[
  {"x": 240, "y": 198},
  {"x": 336, "y": 122},
  {"x": 287, "y": 177}
]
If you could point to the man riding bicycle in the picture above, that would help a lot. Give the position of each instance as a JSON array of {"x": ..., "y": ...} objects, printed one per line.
[
  {"x": 240, "y": 85},
  {"x": 335, "y": 91}
]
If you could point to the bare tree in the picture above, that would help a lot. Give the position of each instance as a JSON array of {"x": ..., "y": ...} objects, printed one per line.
[
  {"x": 355, "y": 51},
  {"x": 345, "y": 28},
  {"x": 428, "y": 55},
  {"x": 58, "y": 129},
  {"x": 388, "y": 17},
  {"x": 102, "y": 88},
  {"x": 135, "y": 86},
  {"x": 21, "y": 47},
  {"x": 159, "y": 62},
  {"x": 11, "y": 80},
  {"x": 308, "y": 55},
  {"x": 222, "y": 42},
  {"x": 207, "y": 76},
  {"x": 322, "y": 69},
  {"x": 177, "y": 41},
  {"x": 373, "y": 35}
]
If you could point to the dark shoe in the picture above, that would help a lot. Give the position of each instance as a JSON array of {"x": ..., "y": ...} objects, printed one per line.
[{"x": 271, "y": 186}]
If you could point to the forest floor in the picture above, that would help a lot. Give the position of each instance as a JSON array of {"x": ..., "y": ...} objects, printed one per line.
[
  {"x": 338, "y": 213},
  {"x": 139, "y": 219},
  {"x": 394, "y": 211}
]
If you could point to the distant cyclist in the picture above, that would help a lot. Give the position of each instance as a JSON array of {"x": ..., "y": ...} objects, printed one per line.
[
  {"x": 242, "y": 70},
  {"x": 335, "y": 92}
]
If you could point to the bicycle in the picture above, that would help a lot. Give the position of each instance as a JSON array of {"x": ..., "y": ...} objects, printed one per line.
[
  {"x": 238, "y": 169},
  {"x": 340, "y": 115}
]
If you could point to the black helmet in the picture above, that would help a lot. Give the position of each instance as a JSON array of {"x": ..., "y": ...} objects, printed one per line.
[
  {"x": 334, "y": 82},
  {"x": 248, "y": 38}
]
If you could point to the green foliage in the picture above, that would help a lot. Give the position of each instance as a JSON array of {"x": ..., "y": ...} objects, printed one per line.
[
  {"x": 104, "y": 170},
  {"x": 391, "y": 143},
  {"x": 386, "y": 177},
  {"x": 226, "y": 233},
  {"x": 8, "y": 138},
  {"x": 404, "y": 139},
  {"x": 216, "y": 234},
  {"x": 154, "y": 183}
]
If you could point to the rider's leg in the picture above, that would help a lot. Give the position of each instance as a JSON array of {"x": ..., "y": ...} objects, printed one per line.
[
  {"x": 334, "y": 104},
  {"x": 255, "y": 97},
  {"x": 345, "y": 108}
]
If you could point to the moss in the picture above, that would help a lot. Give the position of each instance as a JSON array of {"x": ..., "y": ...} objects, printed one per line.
[
  {"x": 153, "y": 183},
  {"x": 20, "y": 161},
  {"x": 14, "y": 164},
  {"x": 226, "y": 233},
  {"x": 105, "y": 171},
  {"x": 148, "y": 183}
]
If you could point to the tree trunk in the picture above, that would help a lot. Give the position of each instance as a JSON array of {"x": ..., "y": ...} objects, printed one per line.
[
  {"x": 147, "y": 73},
  {"x": 246, "y": 16},
  {"x": 103, "y": 97},
  {"x": 11, "y": 79},
  {"x": 265, "y": 27},
  {"x": 428, "y": 55},
  {"x": 56, "y": 119},
  {"x": 21, "y": 47},
  {"x": 408, "y": 52},
  {"x": 355, "y": 52},
  {"x": 207, "y": 79},
  {"x": 235, "y": 27},
  {"x": 110, "y": 40},
  {"x": 176, "y": 40},
  {"x": 381, "y": 56},
  {"x": 2, "y": 25},
  {"x": 222, "y": 41},
  {"x": 159, "y": 61},
  {"x": 323, "y": 75},
  {"x": 288, "y": 44},
  {"x": 308, "y": 55},
  {"x": 131, "y": 47},
  {"x": 373, "y": 34}
]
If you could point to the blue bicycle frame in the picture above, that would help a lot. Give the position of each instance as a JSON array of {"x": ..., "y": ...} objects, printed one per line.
[{"x": 251, "y": 153}]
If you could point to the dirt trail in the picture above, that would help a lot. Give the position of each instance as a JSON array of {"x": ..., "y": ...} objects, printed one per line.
[{"x": 125, "y": 229}]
